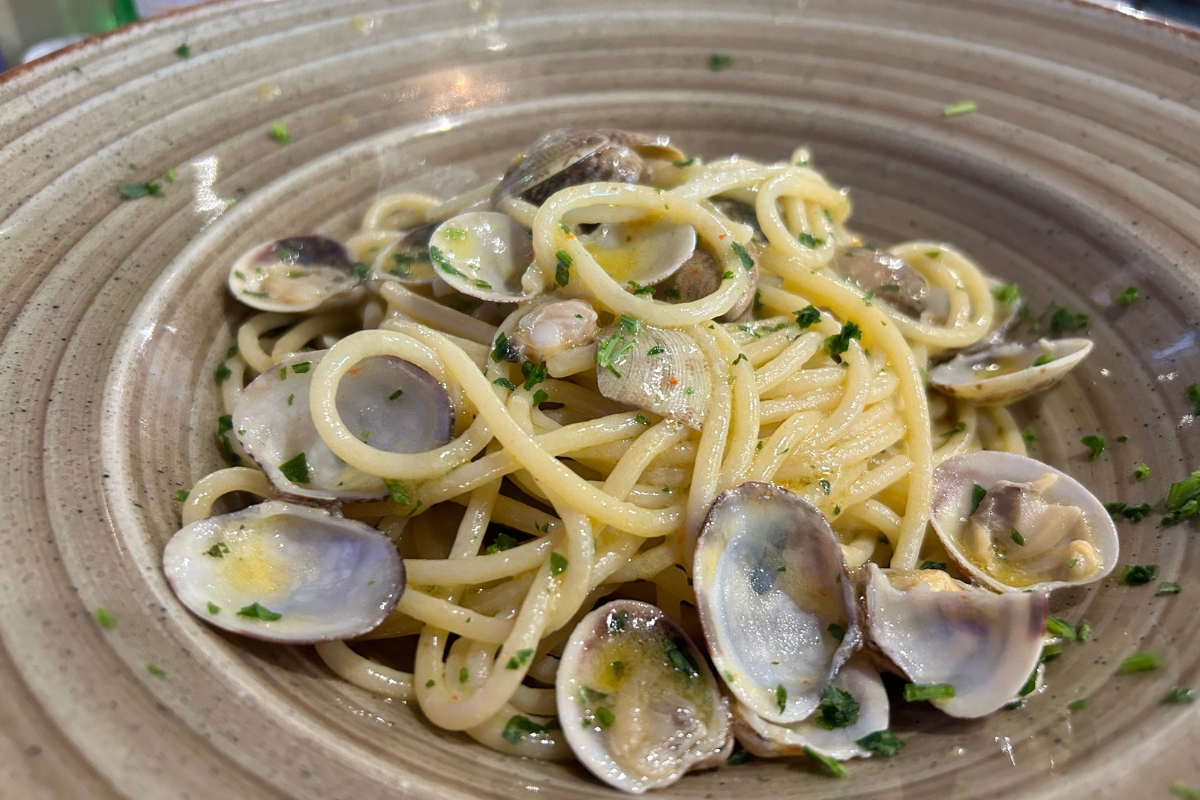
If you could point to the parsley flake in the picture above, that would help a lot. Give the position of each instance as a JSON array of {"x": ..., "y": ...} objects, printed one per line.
[
  {"x": 295, "y": 469},
  {"x": 1129, "y": 296},
  {"x": 1094, "y": 443},
  {"x": 883, "y": 742},
  {"x": 258, "y": 611},
  {"x": 719, "y": 61}
]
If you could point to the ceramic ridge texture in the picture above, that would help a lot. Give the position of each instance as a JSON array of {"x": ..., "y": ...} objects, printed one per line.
[{"x": 1078, "y": 176}]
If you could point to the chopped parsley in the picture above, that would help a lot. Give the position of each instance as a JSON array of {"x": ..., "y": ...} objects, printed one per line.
[
  {"x": 739, "y": 757},
  {"x": 533, "y": 374},
  {"x": 1138, "y": 575},
  {"x": 562, "y": 273},
  {"x": 506, "y": 383},
  {"x": 960, "y": 108},
  {"x": 279, "y": 133},
  {"x": 441, "y": 262},
  {"x": 807, "y": 316},
  {"x": 295, "y": 469},
  {"x": 132, "y": 191},
  {"x": 1077, "y": 705},
  {"x": 1192, "y": 392},
  {"x": 184, "y": 50},
  {"x": 558, "y": 564},
  {"x": 1131, "y": 513},
  {"x": 302, "y": 367},
  {"x": 1007, "y": 293},
  {"x": 838, "y": 709},
  {"x": 915, "y": 692},
  {"x": 1042, "y": 360},
  {"x": 503, "y": 542},
  {"x": 833, "y": 766},
  {"x": 1141, "y": 662},
  {"x": 631, "y": 324},
  {"x": 781, "y": 697},
  {"x": 429, "y": 684},
  {"x": 977, "y": 495},
  {"x": 719, "y": 61},
  {"x": 1184, "y": 792},
  {"x": 1085, "y": 631},
  {"x": 836, "y": 631},
  {"x": 223, "y": 373},
  {"x": 540, "y": 396},
  {"x": 156, "y": 670},
  {"x": 1060, "y": 627},
  {"x": 687, "y": 163},
  {"x": 398, "y": 492},
  {"x": 1028, "y": 437},
  {"x": 1017, "y": 537},
  {"x": 105, "y": 619},
  {"x": 611, "y": 351},
  {"x": 519, "y": 727},
  {"x": 747, "y": 261},
  {"x": 810, "y": 241},
  {"x": 1167, "y": 587},
  {"x": 617, "y": 621},
  {"x": 290, "y": 398},
  {"x": 883, "y": 742},
  {"x": 1094, "y": 443},
  {"x": 839, "y": 343},
  {"x": 1183, "y": 499},
  {"x": 933, "y": 565},
  {"x": 671, "y": 294},
  {"x": 655, "y": 351},
  {"x": 604, "y": 717},
  {"x": 638, "y": 289},
  {"x": 1064, "y": 320},
  {"x": 641, "y": 420},
  {"x": 520, "y": 659},
  {"x": 213, "y": 608},
  {"x": 218, "y": 550},
  {"x": 1141, "y": 472},
  {"x": 363, "y": 271},
  {"x": 681, "y": 658},
  {"x": 258, "y": 611},
  {"x": 181, "y": 495},
  {"x": 395, "y": 394},
  {"x": 454, "y": 234},
  {"x": 463, "y": 675},
  {"x": 1179, "y": 695},
  {"x": 1129, "y": 296}
]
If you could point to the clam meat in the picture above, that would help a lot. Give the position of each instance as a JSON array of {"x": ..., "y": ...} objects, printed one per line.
[
  {"x": 552, "y": 327},
  {"x": 887, "y": 277},
  {"x": 636, "y": 700},
  {"x": 285, "y": 573}
]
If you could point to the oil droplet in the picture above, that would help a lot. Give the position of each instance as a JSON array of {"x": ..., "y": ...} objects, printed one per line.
[
  {"x": 268, "y": 91},
  {"x": 362, "y": 23}
]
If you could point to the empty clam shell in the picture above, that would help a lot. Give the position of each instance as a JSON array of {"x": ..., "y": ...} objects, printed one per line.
[
  {"x": 392, "y": 404},
  {"x": 483, "y": 254},
  {"x": 568, "y": 157},
  {"x": 1010, "y": 372},
  {"x": 943, "y": 632},
  {"x": 285, "y": 573},
  {"x": 1026, "y": 526},
  {"x": 642, "y": 252},
  {"x": 406, "y": 258},
  {"x": 823, "y": 733},
  {"x": 774, "y": 599},
  {"x": 302, "y": 273},
  {"x": 637, "y": 702},
  {"x": 655, "y": 368}
]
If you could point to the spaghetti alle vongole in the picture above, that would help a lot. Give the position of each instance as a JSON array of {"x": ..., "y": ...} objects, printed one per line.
[{"x": 617, "y": 404}]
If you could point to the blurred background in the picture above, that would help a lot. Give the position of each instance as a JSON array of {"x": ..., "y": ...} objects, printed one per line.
[{"x": 30, "y": 29}]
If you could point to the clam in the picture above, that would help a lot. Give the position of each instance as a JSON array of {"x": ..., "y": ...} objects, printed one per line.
[
  {"x": 567, "y": 157},
  {"x": 643, "y": 252},
  {"x": 637, "y": 702},
  {"x": 655, "y": 368},
  {"x": 940, "y": 632},
  {"x": 285, "y": 573},
  {"x": 700, "y": 276},
  {"x": 887, "y": 277},
  {"x": 406, "y": 258},
  {"x": 550, "y": 328},
  {"x": 302, "y": 273},
  {"x": 1014, "y": 523},
  {"x": 392, "y": 404},
  {"x": 774, "y": 599},
  {"x": 834, "y": 730},
  {"x": 483, "y": 254},
  {"x": 744, "y": 214},
  {"x": 1009, "y": 372}
]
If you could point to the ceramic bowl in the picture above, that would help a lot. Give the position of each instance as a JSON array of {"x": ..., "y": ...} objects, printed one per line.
[{"x": 1077, "y": 176}]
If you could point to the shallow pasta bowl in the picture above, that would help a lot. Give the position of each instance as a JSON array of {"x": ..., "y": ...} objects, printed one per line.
[{"x": 1076, "y": 177}]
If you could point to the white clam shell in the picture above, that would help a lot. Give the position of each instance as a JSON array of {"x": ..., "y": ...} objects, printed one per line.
[
  {"x": 483, "y": 254},
  {"x": 659, "y": 369},
  {"x": 985, "y": 645},
  {"x": 681, "y": 719},
  {"x": 770, "y": 581},
  {"x": 643, "y": 251},
  {"x": 274, "y": 423},
  {"x": 966, "y": 375},
  {"x": 302, "y": 273},
  {"x": 771, "y": 740},
  {"x": 325, "y": 576},
  {"x": 954, "y": 481}
]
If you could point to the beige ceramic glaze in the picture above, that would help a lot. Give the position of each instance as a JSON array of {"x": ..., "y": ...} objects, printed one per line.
[{"x": 1077, "y": 176}]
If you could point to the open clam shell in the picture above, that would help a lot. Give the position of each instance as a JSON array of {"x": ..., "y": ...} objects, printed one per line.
[
  {"x": 551, "y": 327},
  {"x": 771, "y": 740},
  {"x": 1029, "y": 531},
  {"x": 636, "y": 700},
  {"x": 301, "y": 273},
  {"x": 774, "y": 599},
  {"x": 645, "y": 251},
  {"x": 392, "y": 404},
  {"x": 406, "y": 258},
  {"x": 1009, "y": 372},
  {"x": 483, "y": 254},
  {"x": 655, "y": 368},
  {"x": 285, "y": 573},
  {"x": 937, "y": 630}
]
